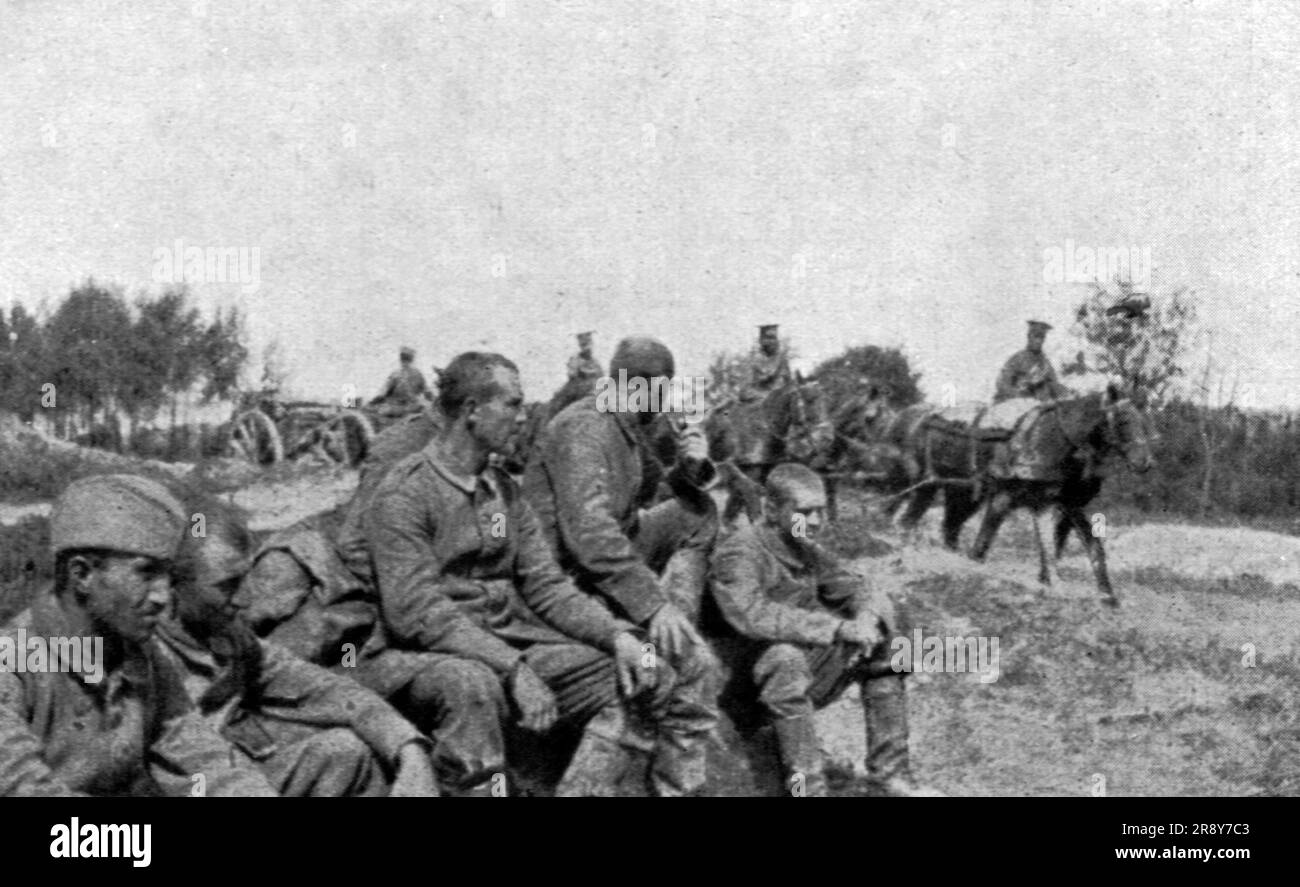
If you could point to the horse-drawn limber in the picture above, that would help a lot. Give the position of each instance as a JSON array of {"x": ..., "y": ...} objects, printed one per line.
[{"x": 265, "y": 430}]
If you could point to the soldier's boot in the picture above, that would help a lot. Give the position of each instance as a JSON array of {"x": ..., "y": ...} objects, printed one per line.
[
  {"x": 601, "y": 759},
  {"x": 889, "y": 770},
  {"x": 801, "y": 756}
]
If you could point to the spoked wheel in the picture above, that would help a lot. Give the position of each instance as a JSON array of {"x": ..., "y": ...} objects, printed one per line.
[
  {"x": 253, "y": 437},
  {"x": 346, "y": 437}
]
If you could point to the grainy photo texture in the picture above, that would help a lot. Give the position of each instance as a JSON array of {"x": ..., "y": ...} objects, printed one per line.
[{"x": 702, "y": 398}]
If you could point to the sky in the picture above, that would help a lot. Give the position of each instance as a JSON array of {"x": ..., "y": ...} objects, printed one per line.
[{"x": 502, "y": 175}]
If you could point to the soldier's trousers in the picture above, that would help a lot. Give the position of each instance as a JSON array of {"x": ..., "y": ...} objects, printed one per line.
[
  {"x": 304, "y": 761},
  {"x": 464, "y": 707},
  {"x": 791, "y": 682},
  {"x": 676, "y": 539}
]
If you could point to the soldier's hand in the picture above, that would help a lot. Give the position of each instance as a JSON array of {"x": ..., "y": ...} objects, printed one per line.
[
  {"x": 672, "y": 632},
  {"x": 862, "y": 633},
  {"x": 414, "y": 777},
  {"x": 632, "y": 677},
  {"x": 536, "y": 702}
]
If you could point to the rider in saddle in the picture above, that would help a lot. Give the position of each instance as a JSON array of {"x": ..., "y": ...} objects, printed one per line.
[
  {"x": 1029, "y": 373},
  {"x": 769, "y": 365}
]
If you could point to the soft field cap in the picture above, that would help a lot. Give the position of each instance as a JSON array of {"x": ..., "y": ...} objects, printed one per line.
[{"x": 118, "y": 512}]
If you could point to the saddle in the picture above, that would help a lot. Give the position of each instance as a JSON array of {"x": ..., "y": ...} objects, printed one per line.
[
  {"x": 982, "y": 422},
  {"x": 1001, "y": 424}
]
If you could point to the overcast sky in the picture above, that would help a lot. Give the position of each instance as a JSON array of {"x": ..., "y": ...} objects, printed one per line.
[{"x": 505, "y": 174}]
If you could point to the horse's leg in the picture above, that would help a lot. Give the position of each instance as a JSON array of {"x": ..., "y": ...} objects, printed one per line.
[
  {"x": 917, "y": 506},
  {"x": 1096, "y": 554},
  {"x": 959, "y": 503},
  {"x": 1061, "y": 532},
  {"x": 1045, "y": 561},
  {"x": 999, "y": 506}
]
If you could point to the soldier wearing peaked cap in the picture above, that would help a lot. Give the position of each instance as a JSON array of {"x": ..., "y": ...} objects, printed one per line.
[
  {"x": 1028, "y": 373},
  {"x": 406, "y": 390},
  {"x": 583, "y": 364},
  {"x": 769, "y": 363},
  {"x": 111, "y": 718}
]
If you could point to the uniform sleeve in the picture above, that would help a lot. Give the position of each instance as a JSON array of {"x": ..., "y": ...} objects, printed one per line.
[
  {"x": 783, "y": 374},
  {"x": 737, "y": 581},
  {"x": 190, "y": 746},
  {"x": 1009, "y": 379},
  {"x": 551, "y": 594},
  {"x": 590, "y": 533},
  {"x": 841, "y": 587},
  {"x": 297, "y": 691},
  {"x": 23, "y": 772},
  {"x": 414, "y": 601}
]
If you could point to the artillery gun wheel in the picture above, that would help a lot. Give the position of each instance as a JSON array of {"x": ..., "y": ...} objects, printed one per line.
[
  {"x": 254, "y": 437},
  {"x": 346, "y": 437}
]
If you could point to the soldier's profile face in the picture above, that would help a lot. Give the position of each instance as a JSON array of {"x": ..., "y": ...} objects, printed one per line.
[
  {"x": 499, "y": 419},
  {"x": 208, "y": 597},
  {"x": 1036, "y": 339},
  {"x": 768, "y": 342},
  {"x": 127, "y": 594}
]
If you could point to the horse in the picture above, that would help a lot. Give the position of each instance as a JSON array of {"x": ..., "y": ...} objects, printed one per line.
[
  {"x": 748, "y": 436},
  {"x": 1056, "y": 458}
]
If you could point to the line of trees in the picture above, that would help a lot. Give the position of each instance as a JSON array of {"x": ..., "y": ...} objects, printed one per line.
[{"x": 96, "y": 358}]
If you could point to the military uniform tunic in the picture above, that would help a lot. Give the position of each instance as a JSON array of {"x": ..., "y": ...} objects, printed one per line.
[
  {"x": 1027, "y": 374},
  {"x": 135, "y": 732},
  {"x": 312, "y": 732}
]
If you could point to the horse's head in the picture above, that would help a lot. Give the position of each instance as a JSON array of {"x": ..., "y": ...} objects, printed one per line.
[{"x": 1127, "y": 429}]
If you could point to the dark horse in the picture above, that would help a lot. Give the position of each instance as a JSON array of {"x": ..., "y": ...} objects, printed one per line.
[
  {"x": 788, "y": 424},
  {"x": 1055, "y": 459}
]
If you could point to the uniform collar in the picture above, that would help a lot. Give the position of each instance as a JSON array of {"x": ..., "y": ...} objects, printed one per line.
[
  {"x": 195, "y": 656},
  {"x": 629, "y": 425},
  {"x": 772, "y": 541},
  {"x": 469, "y": 484}
]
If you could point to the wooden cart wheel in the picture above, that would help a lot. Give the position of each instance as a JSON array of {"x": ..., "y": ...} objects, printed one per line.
[
  {"x": 254, "y": 437},
  {"x": 347, "y": 437}
]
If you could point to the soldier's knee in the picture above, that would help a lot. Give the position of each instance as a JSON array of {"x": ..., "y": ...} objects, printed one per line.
[
  {"x": 338, "y": 754},
  {"x": 698, "y": 664},
  {"x": 459, "y": 684},
  {"x": 783, "y": 679}
]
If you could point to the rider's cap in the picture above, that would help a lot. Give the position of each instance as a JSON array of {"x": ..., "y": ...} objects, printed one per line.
[
  {"x": 768, "y": 328},
  {"x": 1039, "y": 325},
  {"x": 408, "y": 352},
  {"x": 585, "y": 338}
]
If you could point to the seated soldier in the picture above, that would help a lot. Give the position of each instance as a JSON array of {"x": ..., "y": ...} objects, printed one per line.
[
  {"x": 477, "y": 620},
  {"x": 311, "y": 732},
  {"x": 593, "y": 478},
  {"x": 797, "y": 628},
  {"x": 122, "y": 725},
  {"x": 311, "y": 586}
]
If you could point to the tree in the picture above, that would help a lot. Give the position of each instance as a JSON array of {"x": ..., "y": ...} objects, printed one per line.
[
  {"x": 841, "y": 376},
  {"x": 25, "y": 369},
  {"x": 1134, "y": 338},
  {"x": 87, "y": 341},
  {"x": 169, "y": 346},
  {"x": 274, "y": 372},
  {"x": 223, "y": 355}
]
